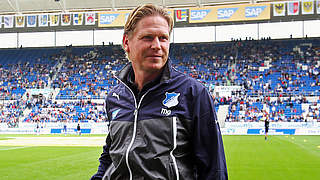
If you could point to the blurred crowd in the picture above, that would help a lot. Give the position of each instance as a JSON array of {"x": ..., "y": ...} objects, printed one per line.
[{"x": 275, "y": 78}]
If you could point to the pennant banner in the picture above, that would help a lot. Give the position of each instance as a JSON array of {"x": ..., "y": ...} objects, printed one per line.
[
  {"x": 32, "y": 21},
  {"x": 65, "y": 19},
  {"x": 279, "y": 9},
  {"x": 90, "y": 19},
  {"x": 181, "y": 15},
  {"x": 54, "y": 19},
  {"x": 77, "y": 18},
  {"x": 170, "y": 12},
  {"x": 20, "y": 21},
  {"x": 43, "y": 20},
  {"x": 293, "y": 8},
  {"x": 8, "y": 21},
  {"x": 307, "y": 7},
  {"x": 318, "y": 6}
]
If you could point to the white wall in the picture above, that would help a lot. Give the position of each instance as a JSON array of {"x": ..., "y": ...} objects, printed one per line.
[
  {"x": 8, "y": 40},
  {"x": 36, "y": 39},
  {"x": 107, "y": 36},
  {"x": 277, "y": 30},
  {"x": 194, "y": 34},
  {"x": 280, "y": 30},
  {"x": 312, "y": 28},
  {"x": 225, "y": 33},
  {"x": 76, "y": 38}
]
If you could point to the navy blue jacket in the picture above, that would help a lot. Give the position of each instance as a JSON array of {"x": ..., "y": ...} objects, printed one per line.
[{"x": 169, "y": 130}]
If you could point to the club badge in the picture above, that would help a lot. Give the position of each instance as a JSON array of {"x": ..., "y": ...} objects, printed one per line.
[{"x": 171, "y": 99}]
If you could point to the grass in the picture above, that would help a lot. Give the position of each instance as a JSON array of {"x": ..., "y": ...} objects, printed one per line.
[
  {"x": 280, "y": 157},
  {"x": 48, "y": 163},
  {"x": 248, "y": 158}
]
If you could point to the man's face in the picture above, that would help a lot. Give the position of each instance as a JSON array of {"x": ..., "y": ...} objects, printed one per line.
[{"x": 148, "y": 45}]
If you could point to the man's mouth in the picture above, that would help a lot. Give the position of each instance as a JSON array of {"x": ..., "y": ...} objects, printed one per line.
[{"x": 154, "y": 55}]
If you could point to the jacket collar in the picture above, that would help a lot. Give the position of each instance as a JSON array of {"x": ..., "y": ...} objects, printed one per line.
[{"x": 127, "y": 69}]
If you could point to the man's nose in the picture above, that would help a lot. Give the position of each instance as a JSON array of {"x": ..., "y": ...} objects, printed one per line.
[{"x": 155, "y": 43}]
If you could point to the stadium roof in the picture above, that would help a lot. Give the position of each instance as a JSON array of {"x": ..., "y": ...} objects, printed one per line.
[{"x": 40, "y": 6}]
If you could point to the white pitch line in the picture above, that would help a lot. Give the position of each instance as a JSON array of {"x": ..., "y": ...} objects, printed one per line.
[
  {"x": 11, "y": 148},
  {"x": 54, "y": 141}
]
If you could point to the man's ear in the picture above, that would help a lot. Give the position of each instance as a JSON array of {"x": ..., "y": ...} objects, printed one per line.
[{"x": 125, "y": 42}]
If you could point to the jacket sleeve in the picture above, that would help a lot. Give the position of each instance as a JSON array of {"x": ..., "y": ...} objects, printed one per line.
[
  {"x": 207, "y": 140},
  {"x": 105, "y": 161}
]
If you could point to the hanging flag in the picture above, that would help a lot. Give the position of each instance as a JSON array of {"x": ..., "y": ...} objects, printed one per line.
[
  {"x": 54, "y": 19},
  {"x": 279, "y": 9},
  {"x": 65, "y": 19},
  {"x": 8, "y": 21},
  {"x": 32, "y": 21},
  {"x": 43, "y": 20},
  {"x": 20, "y": 21},
  {"x": 293, "y": 8},
  {"x": 181, "y": 15},
  {"x": 318, "y": 6},
  {"x": 307, "y": 7},
  {"x": 90, "y": 18},
  {"x": 77, "y": 18}
]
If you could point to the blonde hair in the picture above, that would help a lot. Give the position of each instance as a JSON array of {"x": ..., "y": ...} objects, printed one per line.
[{"x": 143, "y": 11}]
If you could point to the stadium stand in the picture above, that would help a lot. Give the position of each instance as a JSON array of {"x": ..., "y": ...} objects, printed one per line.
[{"x": 277, "y": 78}]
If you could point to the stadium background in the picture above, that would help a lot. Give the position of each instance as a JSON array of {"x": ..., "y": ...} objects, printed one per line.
[{"x": 260, "y": 59}]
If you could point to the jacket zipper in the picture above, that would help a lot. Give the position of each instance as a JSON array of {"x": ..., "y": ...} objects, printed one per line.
[
  {"x": 134, "y": 125},
  {"x": 174, "y": 128}
]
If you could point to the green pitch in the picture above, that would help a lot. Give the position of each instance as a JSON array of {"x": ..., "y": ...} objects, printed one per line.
[
  {"x": 248, "y": 158},
  {"x": 278, "y": 158}
]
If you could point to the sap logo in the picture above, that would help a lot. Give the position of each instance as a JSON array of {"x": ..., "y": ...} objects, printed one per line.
[
  {"x": 199, "y": 14},
  {"x": 107, "y": 18},
  {"x": 166, "y": 112},
  {"x": 254, "y": 11},
  {"x": 226, "y": 13}
]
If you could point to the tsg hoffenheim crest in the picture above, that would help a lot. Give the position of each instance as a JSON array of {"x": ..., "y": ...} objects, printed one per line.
[{"x": 171, "y": 99}]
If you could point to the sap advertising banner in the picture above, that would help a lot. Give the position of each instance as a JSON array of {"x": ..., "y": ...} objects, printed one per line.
[
  {"x": 230, "y": 13},
  {"x": 231, "y": 128},
  {"x": 112, "y": 19},
  {"x": 202, "y": 15},
  {"x": 54, "y": 128},
  {"x": 116, "y": 18},
  {"x": 275, "y": 128}
]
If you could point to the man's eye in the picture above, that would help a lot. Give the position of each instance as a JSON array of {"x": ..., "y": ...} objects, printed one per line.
[
  {"x": 164, "y": 38},
  {"x": 148, "y": 37}
]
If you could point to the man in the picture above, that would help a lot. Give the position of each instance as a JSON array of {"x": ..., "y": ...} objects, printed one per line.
[
  {"x": 38, "y": 128},
  {"x": 79, "y": 129},
  {"x": 163, "y": 123},
  {"x": 266, "y": 128},
  {"x": 65, "y": 128}
]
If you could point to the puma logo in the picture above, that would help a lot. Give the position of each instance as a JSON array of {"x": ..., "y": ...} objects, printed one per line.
[{"x": 116, "y": 95}]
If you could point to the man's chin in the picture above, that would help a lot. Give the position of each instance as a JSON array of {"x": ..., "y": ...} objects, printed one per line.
[{"x": 155, "y": 67}]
